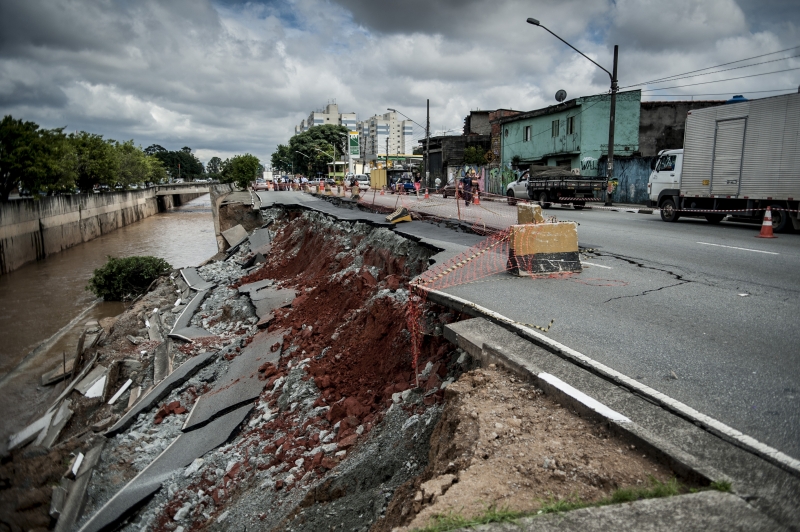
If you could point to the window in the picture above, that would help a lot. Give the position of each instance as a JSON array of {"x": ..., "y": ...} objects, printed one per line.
[
  {"x": 527, "y": 133},
  {"x": 666, "y": 163},
  {"x": 570, "y": 125},
  {"x": 555, "y": 128}
]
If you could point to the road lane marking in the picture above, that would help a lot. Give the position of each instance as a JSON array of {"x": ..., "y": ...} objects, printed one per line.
[
  {"x": 743, "y": 249},
  {"x": 598, "y": 265}
]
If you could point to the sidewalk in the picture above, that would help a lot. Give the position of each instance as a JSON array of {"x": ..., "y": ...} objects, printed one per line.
[{"x": 764, "y": 488}]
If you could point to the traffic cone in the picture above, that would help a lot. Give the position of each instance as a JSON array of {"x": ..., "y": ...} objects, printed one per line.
[
  {"x": 426, "y": 194},
  {"x": 477, "y": 199},
  {"x": 383, "y": 191},
  {"x": 766, "y": 226}
]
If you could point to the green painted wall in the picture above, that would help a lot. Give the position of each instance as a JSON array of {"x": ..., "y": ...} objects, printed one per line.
[{"x": 589, "y": 139}]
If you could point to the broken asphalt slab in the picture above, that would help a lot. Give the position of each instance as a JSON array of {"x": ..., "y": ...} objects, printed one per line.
[
  {"x": 73, "y": 504},
  {"x": 242, "y": 381},
  {"x": 182, "y": 329},
  {"x": 180, "y": 453},
  {"x": 269, "y": 299},
  {"x": 195, "y": 282},
  {"x": 235, "y": 235},
  {"x": 183, "y": 373},
  {"x": 260, "y": 241}
]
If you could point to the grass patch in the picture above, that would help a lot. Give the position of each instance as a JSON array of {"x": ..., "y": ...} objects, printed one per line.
[
  {"x": 657, "y": 489},
  {"x": 721, "y": 485}
]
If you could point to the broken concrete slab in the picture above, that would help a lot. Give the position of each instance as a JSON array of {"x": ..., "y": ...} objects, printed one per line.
[
  {"x": 188, "y": 334},
  {"x": 71, "y": 386},
  {"x": 181, "y": 374},
  {"x": 180, "y": 453},
  {"x": 74, "y": 502},
  {"x": 235, "y": 235},
  {"x": 57, "y": 501},
  {"x": 59, "y": 373},
  {"x": 194, "y": 281},
  {"x": 91, "y": 379},
  {"x": 136, "y": 391},
  {"x": 161, "y": 361},
  {"x": 268, "y": 299},
  {"x": 260, "y": 241},
  {"x": 154, "y": 330},
  {"x": 120, "y": 391},
  {"x": 31, "y": 432},
  {"x": 242, "y": 381},
  {"x": 62, "y": 416},
  {"x": 185, "y": 318},
  {"x": 254, "y": 287},
  {"x": 96, "y": 390}
]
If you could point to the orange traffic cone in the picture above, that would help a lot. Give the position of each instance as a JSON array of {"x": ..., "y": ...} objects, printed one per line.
[
  {"x": 477, "y": 199},
  {"x": 766, "y": 226},
  {"x": 383, "y": 191},
  {"x": 426, "y": 194}
]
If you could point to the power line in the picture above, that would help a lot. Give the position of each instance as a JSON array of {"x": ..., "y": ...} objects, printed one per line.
[
  {"x": 726, "y": 93},
  {"x": 716, "y": 71},
  {"x": 720, "y": 80},
  {"x": 667, "y": 78}
]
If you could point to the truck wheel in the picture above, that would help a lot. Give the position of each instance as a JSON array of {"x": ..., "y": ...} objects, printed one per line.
[
  {"x": 511, "y": 197},
  {"x": 543, "y": 200},
  {"x": 444, "y": 194},
  {"x": 714, "y": 218},
  {"x": 578, "y": 206},
  {"x": 780, "y": 219},
  {"x": 668, "y": 211}
]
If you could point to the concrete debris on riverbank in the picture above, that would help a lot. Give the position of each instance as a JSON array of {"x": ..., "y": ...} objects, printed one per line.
[{"x": 283, "y": 396}]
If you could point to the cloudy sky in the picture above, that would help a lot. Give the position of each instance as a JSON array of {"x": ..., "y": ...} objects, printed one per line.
[{"x": 226, "y": 77}]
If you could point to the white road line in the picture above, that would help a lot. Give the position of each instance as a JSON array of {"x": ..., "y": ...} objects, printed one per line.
[
  {"x": 598, "y": 265},
  {"x": 743, "y": 249}
]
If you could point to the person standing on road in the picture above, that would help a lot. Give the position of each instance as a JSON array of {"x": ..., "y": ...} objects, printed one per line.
[
  {"x": 466, "y": 187},
  {"x": 438, "y": 183}
]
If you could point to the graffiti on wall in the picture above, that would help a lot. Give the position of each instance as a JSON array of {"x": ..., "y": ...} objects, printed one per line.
[{"x": 588, "y": 164}]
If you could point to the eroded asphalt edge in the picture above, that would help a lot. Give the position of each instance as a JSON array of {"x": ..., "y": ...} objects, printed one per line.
[{"x": 693, "y": 444}]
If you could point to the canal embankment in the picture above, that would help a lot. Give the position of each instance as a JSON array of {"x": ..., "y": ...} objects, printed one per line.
[{"x": 32, "y": 229}]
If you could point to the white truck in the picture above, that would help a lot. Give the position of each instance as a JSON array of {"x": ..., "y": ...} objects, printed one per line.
[{"x": 737, "y": 159}]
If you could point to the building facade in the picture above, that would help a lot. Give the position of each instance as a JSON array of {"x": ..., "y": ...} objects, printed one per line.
[
  {"x": 573, "y": 134},
  {"x": 329, "y": 115},
  {"x": 374, "y": 132}
]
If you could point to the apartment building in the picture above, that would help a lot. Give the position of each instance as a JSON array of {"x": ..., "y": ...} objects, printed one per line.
[
  {"x": 374, "y": 132},
  {"x": 329, "y": 115}
]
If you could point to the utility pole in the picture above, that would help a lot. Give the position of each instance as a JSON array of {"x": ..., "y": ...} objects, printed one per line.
[
  {"x": 428, "y": 146},
  {"x": 614, "y": 88},
  {"x": 387, "y": 161}
]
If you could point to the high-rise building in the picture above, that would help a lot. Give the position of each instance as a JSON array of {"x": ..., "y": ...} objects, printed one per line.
[
  {"x": 374, "y": 132},
  {"x": 330, "y": 115}
]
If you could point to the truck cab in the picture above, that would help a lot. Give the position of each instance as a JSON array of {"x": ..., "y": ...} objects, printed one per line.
[{"x": 665, "y": 178}]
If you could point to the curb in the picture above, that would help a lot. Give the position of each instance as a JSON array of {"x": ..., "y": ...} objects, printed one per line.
[{"x": 686, "y": 412}]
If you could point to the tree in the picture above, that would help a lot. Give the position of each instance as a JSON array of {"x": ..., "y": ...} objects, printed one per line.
[
  {"x": 153, "y": 149},
  {"x": 181, "y": 163},
  {"x": 474, "y": 155},
  {"x": 155, "y": 170},
  {"x": 96, "y": 162},
  {"x": 282, "y": 158},
  {"x": 241, "y": 170},
  {"x": 132, "y": 164},
  {"x": 323, "y": 138},
  {"x": 32, "y": 158},
  {"x": 214, "y": 167}
]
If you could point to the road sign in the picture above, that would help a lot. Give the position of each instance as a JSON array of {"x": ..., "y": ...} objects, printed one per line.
[{"x": 354, "y": 147}]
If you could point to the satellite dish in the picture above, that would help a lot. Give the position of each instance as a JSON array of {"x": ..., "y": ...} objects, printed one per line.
[{"x": 561, "y": 95}]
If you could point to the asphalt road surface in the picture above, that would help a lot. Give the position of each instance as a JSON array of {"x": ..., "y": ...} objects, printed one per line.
[{"x": 706, "y": 314}]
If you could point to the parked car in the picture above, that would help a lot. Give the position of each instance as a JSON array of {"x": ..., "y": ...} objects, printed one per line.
[
  {"x": 363, "y": 181},
  {"x": 260, "y": 185}
]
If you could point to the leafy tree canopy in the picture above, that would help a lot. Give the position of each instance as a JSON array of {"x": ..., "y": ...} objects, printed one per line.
[
  {"x": 474, "y": 155},
  {"x": 312, "y": 150},
  {"x": 181, "y": 163},
  {"x": 214, "y": 167},
  {"x": 124, "y": 279},
  {"x": 240, "y": 169}
]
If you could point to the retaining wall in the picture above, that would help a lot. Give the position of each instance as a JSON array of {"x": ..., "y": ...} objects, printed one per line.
[{"x": 32, "y": 229}]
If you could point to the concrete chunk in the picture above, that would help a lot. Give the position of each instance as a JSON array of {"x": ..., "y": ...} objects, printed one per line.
[
  {"x": 31, "y": 432},
  {"x": 91, "y": 379},
  {"x": 74, "y": 502},
  {"x": 120, "y": 391},
  {"x": 62, "y": 416},
  {"x": 161, "y": 362},
  {"x": 260, "y": 241},
  {"x": 241, "y": 383},
  {"x": 235, "y": 235},
  {"x": 254, "y": 287},
  {"x": 57, "y": 374},
  {"x": 57, "y": 501},
  {"x": 185, "y": 318}
]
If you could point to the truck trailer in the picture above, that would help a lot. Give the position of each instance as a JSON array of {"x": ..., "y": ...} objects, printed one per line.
[{"x": 737, "y": 160}]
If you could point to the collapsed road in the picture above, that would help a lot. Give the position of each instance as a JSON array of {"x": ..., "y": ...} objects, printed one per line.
[{"x": 279, "y": 387}]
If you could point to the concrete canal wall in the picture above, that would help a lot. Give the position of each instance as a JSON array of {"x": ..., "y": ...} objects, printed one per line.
[{"x": 33, "y": 229}]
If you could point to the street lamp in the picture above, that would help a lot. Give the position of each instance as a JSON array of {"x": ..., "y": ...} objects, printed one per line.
[
  {"x": 333, "y": 157},
  {"x": 614, "y": 88},
  {"x": 427, "y": 139}
]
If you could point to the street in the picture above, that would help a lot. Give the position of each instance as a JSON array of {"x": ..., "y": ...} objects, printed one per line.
[{"x": 706, "y": 314}]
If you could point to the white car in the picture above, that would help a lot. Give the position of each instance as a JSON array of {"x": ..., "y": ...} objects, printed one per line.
[
  {"x": 518, "y": 189},
  {"x": 363, "y": 181}
]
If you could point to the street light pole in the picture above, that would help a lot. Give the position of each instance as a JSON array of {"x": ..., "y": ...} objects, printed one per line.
[
  {"x": 427, "y": 137},
  {"x": 612, "y": 113}
]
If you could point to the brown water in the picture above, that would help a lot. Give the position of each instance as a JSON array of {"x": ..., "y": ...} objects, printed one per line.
[{"x": 44, "y": 304}]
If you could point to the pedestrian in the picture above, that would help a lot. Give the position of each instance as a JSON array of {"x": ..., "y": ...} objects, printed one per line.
[
  {"x": 466, "y": 186},
  {"x": 438, "y": 183}
]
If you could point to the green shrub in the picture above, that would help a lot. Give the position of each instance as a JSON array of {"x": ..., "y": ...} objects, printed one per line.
[{"x": 125, "y": 279}]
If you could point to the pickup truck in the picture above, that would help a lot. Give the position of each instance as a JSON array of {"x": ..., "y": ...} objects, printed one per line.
[
  {"x": 737, "y": 160},
  {"x": 551, "y": 184}
]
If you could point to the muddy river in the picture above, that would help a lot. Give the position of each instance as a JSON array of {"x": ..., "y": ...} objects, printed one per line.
[{"x": 44, "y": 304}]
